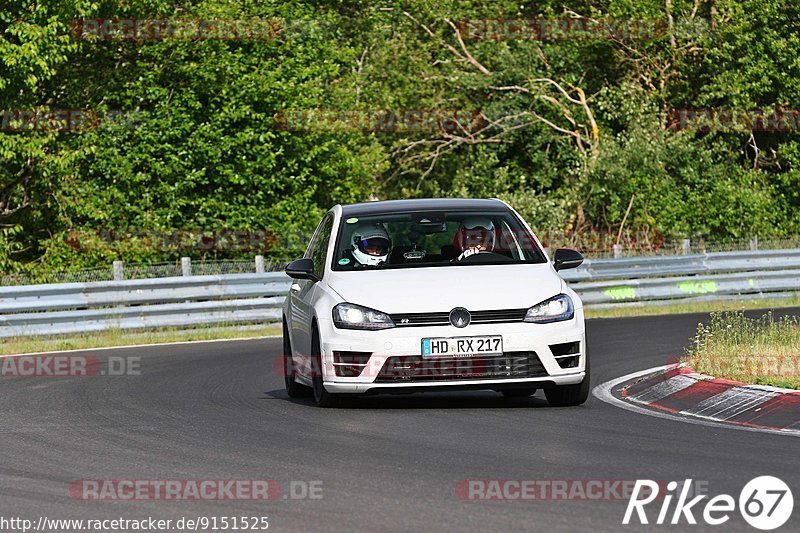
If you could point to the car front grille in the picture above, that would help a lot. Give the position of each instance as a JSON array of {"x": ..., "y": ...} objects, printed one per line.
[
  {"x": 443, "y": 318},
  {"x": 411, "y": 369}
]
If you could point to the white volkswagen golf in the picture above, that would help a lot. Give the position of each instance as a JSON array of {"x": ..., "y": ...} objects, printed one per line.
[{"x": 441, "y": 294}]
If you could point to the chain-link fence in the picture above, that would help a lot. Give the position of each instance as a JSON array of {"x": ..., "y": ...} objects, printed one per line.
[
  {"x": 642, "y": 243},
  {"x": 93, "y": 274}
]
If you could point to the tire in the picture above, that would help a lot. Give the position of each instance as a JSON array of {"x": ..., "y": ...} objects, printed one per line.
[
  {"x": 293, "y": 388},
  {"x": 518, "y": 393},
  {"x": 322, "y": 397},
  {"x": 569, "y": 395}
]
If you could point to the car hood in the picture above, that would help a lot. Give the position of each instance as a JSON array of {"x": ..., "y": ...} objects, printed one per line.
[{"x": 432, "y": 289}]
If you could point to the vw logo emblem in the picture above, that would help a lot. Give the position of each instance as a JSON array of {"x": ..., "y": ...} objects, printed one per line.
[{"x": 460, "y": 317}]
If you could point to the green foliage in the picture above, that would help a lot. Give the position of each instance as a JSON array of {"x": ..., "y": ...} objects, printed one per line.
[
  {"x": 753, "y": 350},
  {"x": 187, "y": 137}
]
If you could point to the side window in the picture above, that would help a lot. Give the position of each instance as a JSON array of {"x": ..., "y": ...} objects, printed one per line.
[
  {"x": 318, "y": 248},
  {"x": 314, "y": 240}
]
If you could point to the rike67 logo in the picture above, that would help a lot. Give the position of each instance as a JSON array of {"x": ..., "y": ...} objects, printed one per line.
[{"x": 765, "y": 503}]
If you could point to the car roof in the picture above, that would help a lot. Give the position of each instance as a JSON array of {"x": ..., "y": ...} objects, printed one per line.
[{"x": 425, "y": 204}]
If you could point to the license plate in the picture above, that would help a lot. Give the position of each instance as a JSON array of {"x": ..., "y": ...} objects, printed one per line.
[{"x": 462, "y": 346}]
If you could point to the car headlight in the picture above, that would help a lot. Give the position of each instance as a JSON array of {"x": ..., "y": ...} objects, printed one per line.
[
  {"x": 556, "y": 309},
  {"x": 351, "y": 316}
]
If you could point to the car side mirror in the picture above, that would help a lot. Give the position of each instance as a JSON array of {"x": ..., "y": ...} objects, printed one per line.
[
  {"x": 566, "y": 258},
  {"x": 302, "y": 269}
]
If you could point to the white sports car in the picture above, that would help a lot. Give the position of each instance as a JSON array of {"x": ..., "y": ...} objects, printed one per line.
[{"x": 441, "y": 294}]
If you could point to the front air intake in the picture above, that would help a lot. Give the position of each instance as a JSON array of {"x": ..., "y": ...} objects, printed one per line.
[
  {"x": 350, "y": 364},
  {"x": 415, "y": 368},
  {"x": 567, "y": 354}
]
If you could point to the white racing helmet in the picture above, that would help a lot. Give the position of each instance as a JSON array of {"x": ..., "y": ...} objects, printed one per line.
[
  {"x": 371, "y": 244},
  {"x": 476, "y": 232}
]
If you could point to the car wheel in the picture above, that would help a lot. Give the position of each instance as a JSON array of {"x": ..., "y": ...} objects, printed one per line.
[
  {"x": 518, "y": 393},
  {"x": 569, "y": 395},
  {"x": 322, "y": 397},
  {"x": 293, "y": 388}
]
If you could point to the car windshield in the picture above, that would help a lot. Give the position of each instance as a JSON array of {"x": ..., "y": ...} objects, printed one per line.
[{"x": 441, "y": 238}]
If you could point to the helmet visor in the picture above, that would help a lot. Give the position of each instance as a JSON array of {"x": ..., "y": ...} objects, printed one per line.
[
  {"x": 373, "y": 245},
  {"x": 477, "y": 237}
]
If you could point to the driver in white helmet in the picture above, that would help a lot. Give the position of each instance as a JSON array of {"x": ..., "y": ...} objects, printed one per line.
[
  {"x": 371, "y": 245},
  {"x": 474, "y": 235}
]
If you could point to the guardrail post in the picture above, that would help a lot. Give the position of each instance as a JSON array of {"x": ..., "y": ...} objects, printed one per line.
[
  {"x": 754, "y": 243},
  {"x": 259, "y": 264},
  {"x": 686, "y": 246},
  {"x": 118, "y": 273},
  {"x": 617, "y": 251},
  {"x": 186, "y": 266}
]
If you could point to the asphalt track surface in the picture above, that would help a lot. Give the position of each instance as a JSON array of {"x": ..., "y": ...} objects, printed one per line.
[{"x": 388, "y": 463}]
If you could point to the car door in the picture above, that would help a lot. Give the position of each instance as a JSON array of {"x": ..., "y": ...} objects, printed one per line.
[{"x": 302, "y": 291}]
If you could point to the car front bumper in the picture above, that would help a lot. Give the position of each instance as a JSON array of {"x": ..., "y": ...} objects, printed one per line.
[{"x": 406, "y": 342}]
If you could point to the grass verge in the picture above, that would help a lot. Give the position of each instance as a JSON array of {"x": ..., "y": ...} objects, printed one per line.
[
  {"x": 106, "y": 339},
  {"x": 762, "y": 351},
  {"x": 679, "y": 308}
]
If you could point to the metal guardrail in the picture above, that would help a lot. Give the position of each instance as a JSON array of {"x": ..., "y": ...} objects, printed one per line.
[
  {"x": 675, "y": 265},
  {"x": 65, "y": 308},
  {"x": 711, "y": 276},
  {"x": 135, "y": 304}
]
